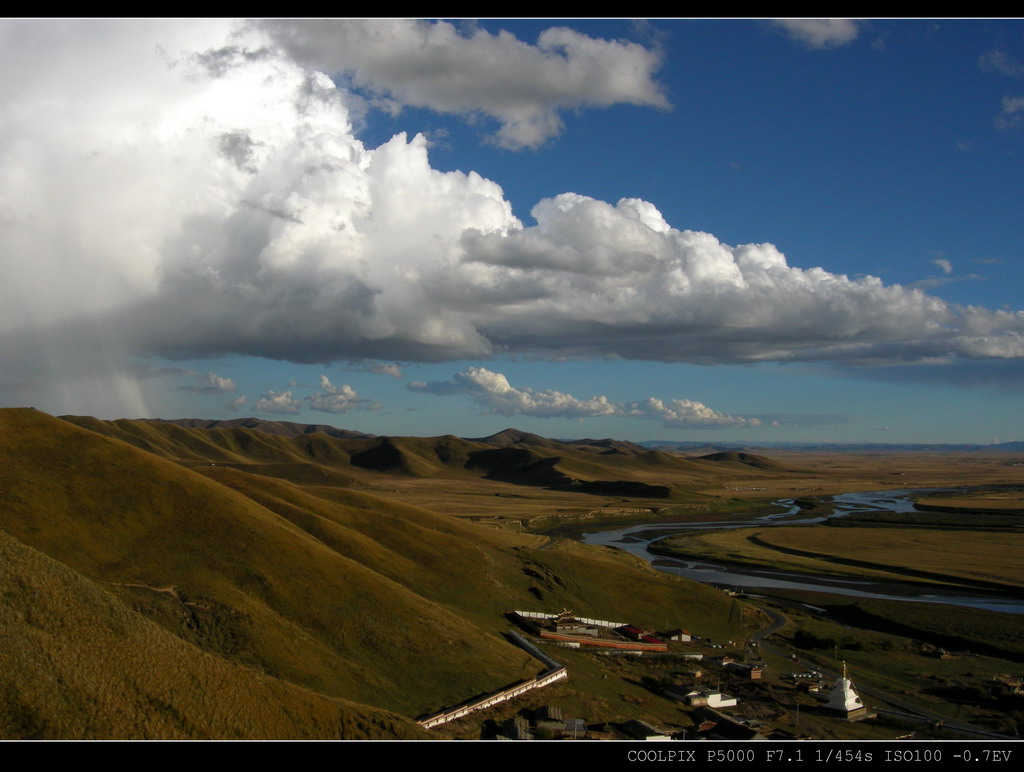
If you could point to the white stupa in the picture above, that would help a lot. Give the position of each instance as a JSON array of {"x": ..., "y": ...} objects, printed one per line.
[{"x": 844, "y": 700}]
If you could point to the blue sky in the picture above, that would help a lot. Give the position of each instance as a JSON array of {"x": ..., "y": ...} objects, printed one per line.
[{"x": 676, "y": 229}]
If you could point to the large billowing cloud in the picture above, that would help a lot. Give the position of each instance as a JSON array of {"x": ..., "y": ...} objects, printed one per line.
[
  {"x": 196, "y": 188},
  {"x": 522, "y": 86},
  {"x": 493, "y": 391}
]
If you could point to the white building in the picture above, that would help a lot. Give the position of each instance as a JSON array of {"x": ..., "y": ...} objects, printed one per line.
[
  {"x": 844, "y": 700},
  {"x": 711, "y": 699}
]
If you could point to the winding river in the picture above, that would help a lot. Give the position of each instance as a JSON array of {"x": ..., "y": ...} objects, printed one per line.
[{"x": 635, "y": 539}]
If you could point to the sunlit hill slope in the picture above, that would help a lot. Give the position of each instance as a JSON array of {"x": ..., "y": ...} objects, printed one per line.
[{"x": 170, "y": 581}]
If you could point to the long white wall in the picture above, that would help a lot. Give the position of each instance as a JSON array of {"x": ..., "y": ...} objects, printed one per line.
[
  {"x": 542, "y": 615},
  {"x": 493, "y": 699},
  {"x": 556, "y": 672}
]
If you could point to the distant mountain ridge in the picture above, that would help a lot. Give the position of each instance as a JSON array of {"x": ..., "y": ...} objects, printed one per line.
[
  {"x": 282, "y": 428},
  {"x": 312, "y": 452},
  {"x": 827, "y": 447},
  {"x": 513, "y": 436}
]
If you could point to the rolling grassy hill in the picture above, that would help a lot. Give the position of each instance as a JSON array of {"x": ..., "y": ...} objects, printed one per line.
[
  {"x": 80, "y": 663},
  {"x": 149, "y": 562}
]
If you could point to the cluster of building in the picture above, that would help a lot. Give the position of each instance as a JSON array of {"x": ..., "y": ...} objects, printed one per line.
[
  {"x": 710, "y": 722},
  {"x": 545, "y": 723},
  {"x": 565, "y": 629},
  {"x": 574, "y": 632}
]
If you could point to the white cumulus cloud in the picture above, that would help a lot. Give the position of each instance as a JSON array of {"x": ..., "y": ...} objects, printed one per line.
[
  {"x": 279, "y": 402},
  {"x": 521, "y": 85},
  {"x": 332, "y": 399},
  {"x": 820, "y": 33},
  {"x": 493, "y": 391},
  {"x": 382, "y": 368},
  {"x": 337, "y": 399},
  {"x": 211, "y": 383}
]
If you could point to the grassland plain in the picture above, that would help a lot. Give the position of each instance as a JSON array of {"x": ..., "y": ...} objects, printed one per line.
[
  {"x": 353, "y": 582},
  {"x": 978, "y": 502},
  {"x": 960, "y": 558}
]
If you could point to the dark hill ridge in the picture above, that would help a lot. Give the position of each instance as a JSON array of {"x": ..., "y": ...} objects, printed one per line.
[
  {"x": 608, "y": 446},
  {"x": 512, "y": 436},
  {"x": 748, "y": 459},
  {"x": 527, "y": 467},
  {"x": 416, "y": 456}
]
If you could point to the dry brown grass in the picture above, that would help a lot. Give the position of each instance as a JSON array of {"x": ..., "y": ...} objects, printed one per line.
[{"x": 991, "y": 501}]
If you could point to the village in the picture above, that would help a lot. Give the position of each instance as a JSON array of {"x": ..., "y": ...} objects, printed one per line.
[{"x": 715, "y": 681}]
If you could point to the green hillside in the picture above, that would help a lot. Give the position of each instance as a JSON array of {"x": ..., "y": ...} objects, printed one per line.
[
  {"x": 78, "y": 663},
  {"x": 269, "y": 559}
]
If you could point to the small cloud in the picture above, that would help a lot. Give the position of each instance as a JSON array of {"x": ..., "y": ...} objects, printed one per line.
[
  {"x": 945, "y": 265},
  {"x": 881, "y": 42},
  {"x": 210, "y": 383},
  {"x": 279, "y": 402},
  {"x": 963, "y": 144},
  {"x": 238, "y": 403},
  {"x": 1011, "y": 114},
  {"x": 379, "y": 368},
  {"x": 337, "y": 399},
  {"x": 387, "y": 369},
  {"x": 332, "y": 399},
  {"x": 1001, "y": 62},
  {"x": 820, "y": 33}
]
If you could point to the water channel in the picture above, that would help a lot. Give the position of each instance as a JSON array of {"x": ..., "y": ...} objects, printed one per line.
[{"x": 636, "y": 538}]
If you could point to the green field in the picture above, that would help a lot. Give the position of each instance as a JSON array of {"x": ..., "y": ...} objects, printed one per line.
[{"x": 981, "y": 559}]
